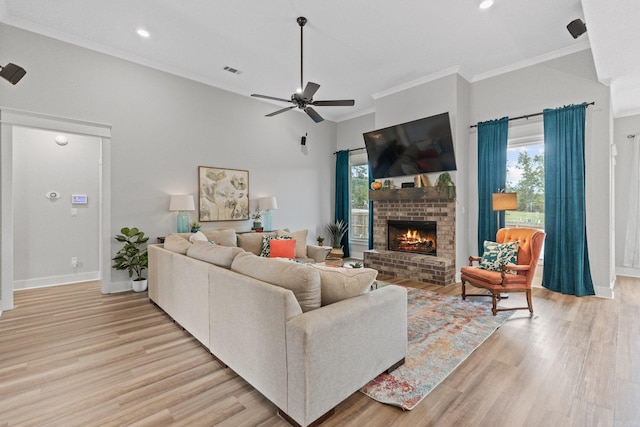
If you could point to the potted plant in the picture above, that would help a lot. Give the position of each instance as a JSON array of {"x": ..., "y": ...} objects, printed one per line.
[
  {"x": 320, "y": 240},
  {"x": 337, "y": 231},
  {"x": 132, "y": 257},
  {"x": 195, "y": 226},
  {"x": 445, "y": 185}
]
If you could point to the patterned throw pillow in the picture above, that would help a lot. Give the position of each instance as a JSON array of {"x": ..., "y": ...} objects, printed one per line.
[
  {"x": 496, "y": 255},
  {"x": 266, "y": 248}
]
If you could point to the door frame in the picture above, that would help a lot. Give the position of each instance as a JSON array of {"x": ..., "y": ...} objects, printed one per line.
[{"x": 10, "y": 118}]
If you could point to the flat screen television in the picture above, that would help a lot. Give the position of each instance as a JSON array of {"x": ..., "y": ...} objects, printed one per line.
[{"x": 420, "y": 146}]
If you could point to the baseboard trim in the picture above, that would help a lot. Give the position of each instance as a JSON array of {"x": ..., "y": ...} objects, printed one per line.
[
  {"x": 43, "y": 282},
  {"x": 627, "y": 271}
]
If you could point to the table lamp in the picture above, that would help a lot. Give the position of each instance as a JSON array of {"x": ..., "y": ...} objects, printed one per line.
[
  {"x": 267, "y": 204},
  {"x": 182, "y": 204}
]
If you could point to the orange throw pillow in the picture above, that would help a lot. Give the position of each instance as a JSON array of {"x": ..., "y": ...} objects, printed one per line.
[{"x": 282, "y": 248}]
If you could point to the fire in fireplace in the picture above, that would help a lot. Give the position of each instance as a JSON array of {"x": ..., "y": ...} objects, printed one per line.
[{"x": 412, "y": 236}]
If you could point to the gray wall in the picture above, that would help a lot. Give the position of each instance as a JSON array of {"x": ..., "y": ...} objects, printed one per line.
[{"x": 164, "y": 127}]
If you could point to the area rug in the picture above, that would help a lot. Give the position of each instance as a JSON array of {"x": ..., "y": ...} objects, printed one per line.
[{"x": 443, "y": 331}]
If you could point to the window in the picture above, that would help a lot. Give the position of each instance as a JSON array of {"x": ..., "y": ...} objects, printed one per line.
[
  {"x": 525, "y": 176},
  {"x": 359, "y": 196}
]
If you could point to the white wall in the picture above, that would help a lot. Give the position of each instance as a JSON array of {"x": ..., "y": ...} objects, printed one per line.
[
  {"x": 624, "y": 164},
  {"x": 568, "y": 80},
  {"x": 46, "y": 235},
  {"x": 164, "y": 127}
]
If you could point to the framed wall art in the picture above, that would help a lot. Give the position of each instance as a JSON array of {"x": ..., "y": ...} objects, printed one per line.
[{"x": 223, "y": 194}]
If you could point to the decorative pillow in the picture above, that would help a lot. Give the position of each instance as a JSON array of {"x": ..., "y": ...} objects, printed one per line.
[
  {"x": 176, "y": 243},
  {"x": 338, "y": 283},
  {"x": 198, "y": 237},
  {"x": 266, "y": 247},
  {"x": 219, "y": 255},
  {"x": 282, "y": 248},
  {"x": 252, "y": 242},
  {"x": 496, "y": 255},
  {"x": 301, "y": 279},
  {"x": 301, "y": 241}
]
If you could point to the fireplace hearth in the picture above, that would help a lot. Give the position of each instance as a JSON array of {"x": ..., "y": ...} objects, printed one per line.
[{"x": 412, "y": 236}]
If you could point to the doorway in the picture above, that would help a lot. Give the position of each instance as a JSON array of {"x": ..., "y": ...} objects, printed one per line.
[{"x": 57, "y": 235}]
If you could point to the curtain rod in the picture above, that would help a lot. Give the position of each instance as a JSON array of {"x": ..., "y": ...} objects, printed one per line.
[
  {"x": 526, "y": 116},
  {"x": 352, "y": 149}
]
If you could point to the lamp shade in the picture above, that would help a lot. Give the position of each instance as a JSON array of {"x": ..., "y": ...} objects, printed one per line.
[
  {"x": 505, "y": 201},
  {"x": 267, "y": 203},
  {"x": 182, "y": 203}
]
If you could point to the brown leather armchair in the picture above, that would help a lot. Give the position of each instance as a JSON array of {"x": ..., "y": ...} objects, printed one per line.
[{"x": 529, "y": 246}]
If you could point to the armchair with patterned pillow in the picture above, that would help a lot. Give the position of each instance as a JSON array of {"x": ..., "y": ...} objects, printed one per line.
[{"x": 507, "y": 265}]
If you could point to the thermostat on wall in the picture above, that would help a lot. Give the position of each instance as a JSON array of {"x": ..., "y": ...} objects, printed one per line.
[{"x": 79, "y": 199}]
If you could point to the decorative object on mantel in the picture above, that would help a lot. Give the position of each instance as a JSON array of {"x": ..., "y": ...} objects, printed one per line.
[
  {"x": 320, "y": 240},
  {"x": 223, "y": 194},
  {"x": 266, "y": 205},
  {"x": 376, "y": 185},
  {"x": 182, "y": 203},
  {"x": 435, "y": 348},
  {"x": 337, "y": 231},
  {"x": 408, "y": 185},
  {"x": 446, "y": 186},
  {"x": 195, "y": 226},
  {"x": 132, "y": 257}
]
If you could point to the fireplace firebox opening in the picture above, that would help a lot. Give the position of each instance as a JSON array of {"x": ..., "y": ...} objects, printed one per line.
[{"x": 412, "y": 236}]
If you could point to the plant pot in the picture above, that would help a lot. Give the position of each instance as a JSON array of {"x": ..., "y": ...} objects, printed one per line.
[
  {"x": 320, "y": 243},
  {"x": 139, "y": 285},
  {"x": 336, "y": 253},
  {"x": 257, "y": 224}
]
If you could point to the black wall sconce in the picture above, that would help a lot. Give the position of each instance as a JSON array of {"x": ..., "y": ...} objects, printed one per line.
[{"x": 12, "y": 73}]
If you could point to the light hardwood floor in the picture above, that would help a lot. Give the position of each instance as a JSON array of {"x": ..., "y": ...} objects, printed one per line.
[{"x": 70, "y": 356}]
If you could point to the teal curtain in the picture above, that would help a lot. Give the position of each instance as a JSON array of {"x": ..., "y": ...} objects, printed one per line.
[
  {"x": 492, "y": 175},
  {"x": 370, "y": 211},
  {"x": 566, "y": 258},
  {"x": 342, "y": 194}
]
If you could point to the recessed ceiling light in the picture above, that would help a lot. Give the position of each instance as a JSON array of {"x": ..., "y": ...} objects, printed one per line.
[
  {"x": 143, "y": 33},
  {"x": 486, "y": 4}
]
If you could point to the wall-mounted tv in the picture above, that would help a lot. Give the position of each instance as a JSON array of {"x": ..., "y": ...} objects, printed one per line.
[{"x": 421, "y": 146}]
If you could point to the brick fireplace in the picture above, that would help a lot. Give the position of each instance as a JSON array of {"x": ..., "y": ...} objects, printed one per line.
[{"x": 423, "y": 205}]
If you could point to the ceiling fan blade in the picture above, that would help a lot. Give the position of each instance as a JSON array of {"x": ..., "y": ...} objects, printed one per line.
[
  {"x": 335, "y": 103},
  {"x": 309, "y": 90},
  {"x": 270, "y": 97},
  {"x": 280, "y": 111},
  {"x": 313, "y": 114}
]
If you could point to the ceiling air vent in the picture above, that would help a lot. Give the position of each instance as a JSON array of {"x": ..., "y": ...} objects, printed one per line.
[{"x": 232, "y": 70}]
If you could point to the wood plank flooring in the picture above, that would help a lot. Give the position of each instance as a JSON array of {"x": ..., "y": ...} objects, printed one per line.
[{"x": 70, "y": 356}]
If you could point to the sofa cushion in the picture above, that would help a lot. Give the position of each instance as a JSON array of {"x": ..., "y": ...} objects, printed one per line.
[
  {"x": 266, "y": 244},
  {"x": 302, "y": 279},
  {"x": 222, "y": 237},
  {"x": 300, "y": 237},
  {"x": 252, "y": 242},
  {"x": 338, "y": 283},
  {"x": 198, "y": 237},
  {"x": 219, "y": 255},
  {"x": 176, "y": 243},
  {"x": 282, "y": 248}
]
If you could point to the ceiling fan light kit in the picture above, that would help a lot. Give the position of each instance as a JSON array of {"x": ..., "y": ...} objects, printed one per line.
[{"x": 303, "y": 99}]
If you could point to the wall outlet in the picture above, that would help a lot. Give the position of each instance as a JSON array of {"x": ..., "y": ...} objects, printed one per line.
[{"x": 74, "y": 262}]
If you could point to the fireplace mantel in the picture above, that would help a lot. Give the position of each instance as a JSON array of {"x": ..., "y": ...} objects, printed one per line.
[{"x": 416, "y": 193}]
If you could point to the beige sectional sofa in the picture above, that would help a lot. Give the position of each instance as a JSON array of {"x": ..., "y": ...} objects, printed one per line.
[{"x": 265, "y": 319}]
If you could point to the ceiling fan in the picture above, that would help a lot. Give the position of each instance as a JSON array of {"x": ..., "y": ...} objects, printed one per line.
[{"x": 303, "y": 99}]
